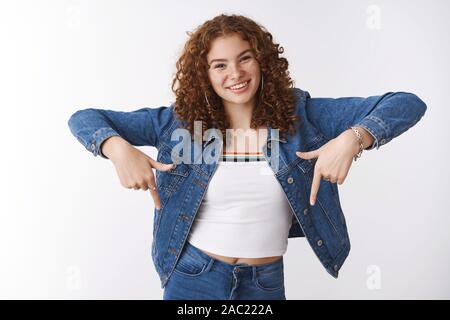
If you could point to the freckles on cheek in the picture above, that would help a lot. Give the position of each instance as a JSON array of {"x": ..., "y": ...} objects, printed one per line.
[
  {"x": 212, "y": 78},
  {"x": 217, "y": 82}
]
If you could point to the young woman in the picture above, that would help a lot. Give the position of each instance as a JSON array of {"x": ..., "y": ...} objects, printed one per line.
[{"x": 221, "y": 227}]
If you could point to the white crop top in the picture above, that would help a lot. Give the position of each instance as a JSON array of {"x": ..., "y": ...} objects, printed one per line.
[{"x": 244, "y": 212}]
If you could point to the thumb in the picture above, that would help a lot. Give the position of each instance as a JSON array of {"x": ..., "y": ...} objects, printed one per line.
[{"x": 307, "y": 155}]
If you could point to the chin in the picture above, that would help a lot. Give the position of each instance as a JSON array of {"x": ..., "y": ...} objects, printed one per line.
[{"x": 239, "y": 100}]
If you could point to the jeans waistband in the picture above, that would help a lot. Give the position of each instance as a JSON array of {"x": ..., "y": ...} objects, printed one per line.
[{"x": 196, "y": 253}]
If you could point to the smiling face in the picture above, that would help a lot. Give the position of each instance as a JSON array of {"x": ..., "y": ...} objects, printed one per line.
[{"x": 232, "y": 61}]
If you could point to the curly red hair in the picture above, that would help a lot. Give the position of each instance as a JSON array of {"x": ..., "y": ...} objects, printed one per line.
[{"x": 274, "y": 107}]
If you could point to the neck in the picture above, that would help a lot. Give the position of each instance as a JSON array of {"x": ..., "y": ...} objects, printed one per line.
[{"x": 239, "y": 115}]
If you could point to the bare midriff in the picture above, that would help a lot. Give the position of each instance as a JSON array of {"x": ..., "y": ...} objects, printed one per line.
[{"x": 249, "y": 261}]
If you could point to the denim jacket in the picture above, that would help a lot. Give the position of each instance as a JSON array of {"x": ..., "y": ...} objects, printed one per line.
[{"x": 182, "y": 188}]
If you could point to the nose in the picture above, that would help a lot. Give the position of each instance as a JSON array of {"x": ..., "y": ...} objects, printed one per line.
[{"x": 235, "y": 71}]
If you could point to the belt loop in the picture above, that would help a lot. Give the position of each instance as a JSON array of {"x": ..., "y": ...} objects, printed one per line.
[{"x": 254, "y": 272}]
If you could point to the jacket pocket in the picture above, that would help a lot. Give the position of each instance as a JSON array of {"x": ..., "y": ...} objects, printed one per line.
[
  {"x": 169, "y": 181},
  {"x": 325, "y": 214}
]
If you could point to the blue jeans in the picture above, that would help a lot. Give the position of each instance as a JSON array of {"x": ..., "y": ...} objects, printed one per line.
[{"x": 198, "y": 276}]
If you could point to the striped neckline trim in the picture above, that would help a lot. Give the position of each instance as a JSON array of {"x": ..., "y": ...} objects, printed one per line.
[{"x": 242, "y": 157}]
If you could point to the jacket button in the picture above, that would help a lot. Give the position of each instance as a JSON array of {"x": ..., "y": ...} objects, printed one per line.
[
  {"x": 269, "y": 145},
  {"x": 290, "y": 180},
  {"x": 92, "y": 146},
  {"x": 305, "y": 212},
  {"x": 319, "y": 243},
  {"x": 383, "y": 141},
  {"x": 173, "y": 250},
  {"x": 335, "y": 267}
]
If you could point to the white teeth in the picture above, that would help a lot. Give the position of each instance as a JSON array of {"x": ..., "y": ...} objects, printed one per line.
[{"x": 239, "y": 86}]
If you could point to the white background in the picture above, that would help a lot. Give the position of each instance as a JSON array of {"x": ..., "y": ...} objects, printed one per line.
[{"x": 69, "y": 230}]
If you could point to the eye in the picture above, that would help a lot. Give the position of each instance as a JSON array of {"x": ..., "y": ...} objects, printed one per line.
[{"x": 221, "y": 64}]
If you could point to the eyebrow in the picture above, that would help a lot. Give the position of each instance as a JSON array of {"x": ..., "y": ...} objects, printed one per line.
[{"x": 240, "y": 54}]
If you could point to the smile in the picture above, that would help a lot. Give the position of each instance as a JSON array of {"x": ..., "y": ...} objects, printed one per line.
[{"x": 239, "y": 87}]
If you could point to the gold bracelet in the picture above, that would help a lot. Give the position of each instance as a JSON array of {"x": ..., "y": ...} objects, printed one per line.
[{"x": 360, "y": 141}]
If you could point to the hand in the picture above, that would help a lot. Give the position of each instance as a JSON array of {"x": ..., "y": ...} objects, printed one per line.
[
  {"x": 134, "y": 168},
  {"x": 334, "y": 160}
]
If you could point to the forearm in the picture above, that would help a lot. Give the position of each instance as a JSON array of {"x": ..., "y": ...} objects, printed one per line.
[
  {"x": 141, "y": 127},
  {"x": 112, "y": 146},
  {"x": 385, "y": 116}
]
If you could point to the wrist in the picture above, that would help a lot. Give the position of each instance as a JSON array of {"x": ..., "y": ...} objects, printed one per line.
[
  {"x": 367, "y": 138},
  {"x": 352, "y": 141},
  {"x": 112, "y": 146},
  {"x": 357, "y": 141}
]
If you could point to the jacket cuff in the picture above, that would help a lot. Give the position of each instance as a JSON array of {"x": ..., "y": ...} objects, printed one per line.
[
  {"x": 377, "y": 128},
  {"x": 98, "y": 138}
]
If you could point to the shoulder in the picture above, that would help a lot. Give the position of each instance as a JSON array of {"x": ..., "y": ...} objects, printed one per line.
[
  {"x": 169, "y": 122},
  {"x": 301, "y": 98},
  {"x": 300, "y": 93}
]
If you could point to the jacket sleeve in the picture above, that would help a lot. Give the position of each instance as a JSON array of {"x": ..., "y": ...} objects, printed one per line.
[
  {"x": 141, "y": 127},
  {"x": 384, "y": 117}
]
